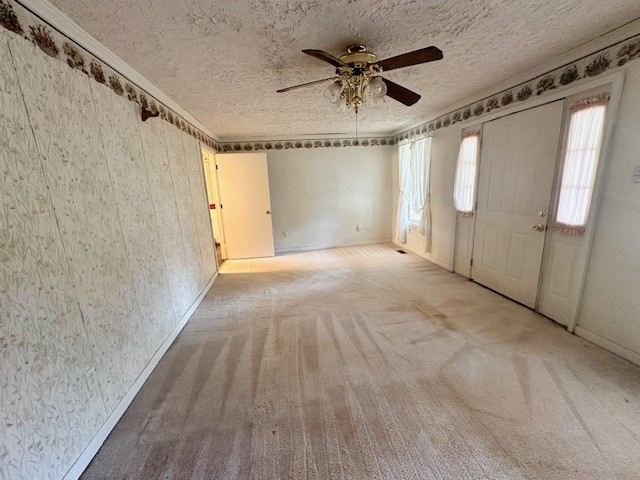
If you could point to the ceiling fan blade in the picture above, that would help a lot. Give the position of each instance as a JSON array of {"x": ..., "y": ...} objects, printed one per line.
[
  {"x": 308, "y": 84},
  {"x": 336, "y": 62},
  {"x": 400, "y": 93},
  {"x": 416, "y": 57}
]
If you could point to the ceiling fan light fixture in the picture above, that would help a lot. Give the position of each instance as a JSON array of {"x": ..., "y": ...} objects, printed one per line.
[
  {"x": 377, "y": 88},
  {"x": 333, "y": 91},
  {"x": 340, "y": 105},
  {"x": 357, "y": 76}
]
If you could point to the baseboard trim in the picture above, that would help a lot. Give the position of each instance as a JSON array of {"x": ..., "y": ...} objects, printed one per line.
[
  {"x": 329, "y": 247},
  {"x": 616, "y": 348},
  {"x": 92, "y": 449},
  {"x": 424, "y": 255}
]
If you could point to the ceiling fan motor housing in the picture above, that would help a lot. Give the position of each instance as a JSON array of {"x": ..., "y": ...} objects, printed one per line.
[{"x": 359, "y": 57}]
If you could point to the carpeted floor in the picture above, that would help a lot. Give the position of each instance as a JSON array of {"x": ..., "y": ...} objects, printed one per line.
[{"x": 363, "y": 363}]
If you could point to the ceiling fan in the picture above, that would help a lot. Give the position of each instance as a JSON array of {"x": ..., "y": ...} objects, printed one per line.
[{"x": 357, "y": 76}]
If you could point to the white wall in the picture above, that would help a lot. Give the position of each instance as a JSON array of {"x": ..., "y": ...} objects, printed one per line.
[
  {"x": 319, "y": 196},
  {"x": 611, "y": 302},
  {"x": 105, "y": 243}
]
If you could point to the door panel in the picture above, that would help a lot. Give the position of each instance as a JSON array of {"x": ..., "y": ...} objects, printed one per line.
[
  {"x": 246, "y": 204},
  {"x": 563, "y": 270},
  {"x": 517, "y": 166}
]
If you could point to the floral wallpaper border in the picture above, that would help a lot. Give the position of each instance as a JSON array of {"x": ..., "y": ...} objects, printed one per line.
[
  {"x": 17, "y": 19},
  {"x": 313, "y": 143},
  {"x": 592, "y": 65}
]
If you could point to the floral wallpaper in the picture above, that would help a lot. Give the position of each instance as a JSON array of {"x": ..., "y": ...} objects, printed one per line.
[
  {"x": 76, "y": 169},
  {"x": 94, "y": 226},
  {"x": 117, "y": 121},
  {"x": 15, "y": 18},
  {"x": 186, "y": 214},
  {"x": 165, "y": 212},
  {"x": 44, "y": 352},
  {"x": 195, "y": 176}
]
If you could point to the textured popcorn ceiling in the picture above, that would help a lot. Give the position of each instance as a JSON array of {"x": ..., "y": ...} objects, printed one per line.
[{"x": 224, "y": 60}]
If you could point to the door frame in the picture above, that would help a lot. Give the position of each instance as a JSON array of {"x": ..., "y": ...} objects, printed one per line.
[
  {"x": 214, "y": 178},
  {"x": 616, "y": 82}
]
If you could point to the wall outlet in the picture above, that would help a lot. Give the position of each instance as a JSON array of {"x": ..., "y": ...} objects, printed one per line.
[
  {"x": 285, "y": 234},
  {"x": 92, "y": 380},
  {"x": 358, "y": 228},
  {"x": 636, "y": 174}
]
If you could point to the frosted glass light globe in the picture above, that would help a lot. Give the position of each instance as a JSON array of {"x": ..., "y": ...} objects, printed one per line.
[{"x": 377, "y": 87}]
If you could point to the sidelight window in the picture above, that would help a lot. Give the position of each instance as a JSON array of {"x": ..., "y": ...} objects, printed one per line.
[
  {"x": 465, "y": 182},
  {"x": 580, "y": 163}
]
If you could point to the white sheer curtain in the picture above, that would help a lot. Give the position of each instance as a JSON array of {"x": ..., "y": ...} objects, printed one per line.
[
  {"x": 404, "y": 178},
  {"x": 465, "y": 183},
  {"x": 580, "y": 164},
  {"x": 422, "y": 187}
]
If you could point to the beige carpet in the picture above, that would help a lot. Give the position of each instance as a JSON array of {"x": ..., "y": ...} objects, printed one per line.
[{"x": 364, "y": 363}]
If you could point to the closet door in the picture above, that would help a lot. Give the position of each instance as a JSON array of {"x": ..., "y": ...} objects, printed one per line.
[{"x": 517, "y": 167}]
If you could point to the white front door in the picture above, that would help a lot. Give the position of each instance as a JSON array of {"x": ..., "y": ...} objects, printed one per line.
[
  {"x": 246, "y": 204},
  {"x": 517, "y": 167}
]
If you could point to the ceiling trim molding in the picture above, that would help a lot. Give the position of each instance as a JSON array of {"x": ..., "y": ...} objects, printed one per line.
[
  {"x": 40, "y": 22},
  {"x": 588, "y": 66}
]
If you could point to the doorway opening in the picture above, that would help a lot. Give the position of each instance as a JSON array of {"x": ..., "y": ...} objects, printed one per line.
[{"x": 239, "y": 204}]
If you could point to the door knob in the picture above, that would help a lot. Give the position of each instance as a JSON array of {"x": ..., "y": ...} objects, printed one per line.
[
  {"x": 539, "y": 227},
  {"x": 268, "y": 212}
]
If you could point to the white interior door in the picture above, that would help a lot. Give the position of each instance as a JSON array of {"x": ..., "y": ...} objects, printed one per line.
[
  {"x": 246, "y": 204},
  {"x": 517, "y": 167}
]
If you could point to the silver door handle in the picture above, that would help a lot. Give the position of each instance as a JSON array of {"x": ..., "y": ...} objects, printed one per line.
[{"x": 539, "y": 227}]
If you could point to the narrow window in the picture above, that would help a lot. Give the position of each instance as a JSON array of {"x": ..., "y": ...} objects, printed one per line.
[
  {"x": 580, "y": 163},
  {"x": 414, "y": 207},
  {"x": 404, "y": 178},
  {"x": 465, "y": 183},
  {"x": 420, "y": 166}
]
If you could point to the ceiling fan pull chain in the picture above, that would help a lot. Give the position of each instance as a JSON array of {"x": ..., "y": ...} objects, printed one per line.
[{"x": 356, "y": 125}]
